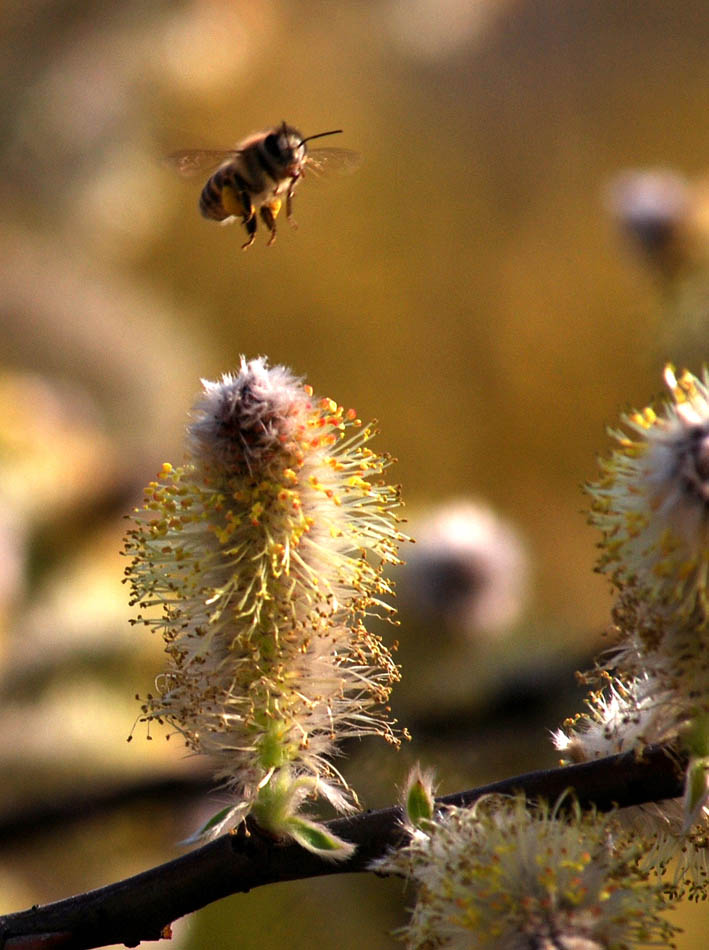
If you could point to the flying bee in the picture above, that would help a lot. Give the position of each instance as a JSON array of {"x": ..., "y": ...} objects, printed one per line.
[{"x": 256, "y": 173}]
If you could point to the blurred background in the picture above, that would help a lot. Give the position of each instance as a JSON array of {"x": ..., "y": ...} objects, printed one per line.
[{"x": 522, "y": 249}]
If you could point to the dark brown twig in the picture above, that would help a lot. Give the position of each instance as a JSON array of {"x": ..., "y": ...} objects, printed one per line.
[{"x": 143, "y": 907}]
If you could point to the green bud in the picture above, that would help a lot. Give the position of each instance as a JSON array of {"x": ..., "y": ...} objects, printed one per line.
[{"x": 418, "y": 797}]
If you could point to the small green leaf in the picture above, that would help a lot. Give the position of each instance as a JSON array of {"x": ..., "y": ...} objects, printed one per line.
[
  {"x": 214, "y": 827},
  {"x": 696, "y": 791},
  {"x": 697, "y": 739},
  {"x": 418, "y": 798},
  {"x": 316, "y": 838},
  {"x": 215, "y": 819},
  {"x": 419, "y": 804}
]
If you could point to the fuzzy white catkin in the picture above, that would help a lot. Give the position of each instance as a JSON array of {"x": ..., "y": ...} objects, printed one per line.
[
  {"x": 258, "y": 561},
  {"x": 652, "y": 507}
]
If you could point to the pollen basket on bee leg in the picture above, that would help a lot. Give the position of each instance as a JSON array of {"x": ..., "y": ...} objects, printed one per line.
[{"x": 232, "y": 203}]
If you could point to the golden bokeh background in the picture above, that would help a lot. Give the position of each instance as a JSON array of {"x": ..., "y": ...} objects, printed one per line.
[{"x": 467, "y": 287}]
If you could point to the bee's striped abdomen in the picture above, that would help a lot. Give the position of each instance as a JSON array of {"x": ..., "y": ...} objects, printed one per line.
[{"x": 224, "y": 195}]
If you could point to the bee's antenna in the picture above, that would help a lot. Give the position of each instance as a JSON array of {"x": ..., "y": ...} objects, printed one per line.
[{"x": 319, "y": 136}]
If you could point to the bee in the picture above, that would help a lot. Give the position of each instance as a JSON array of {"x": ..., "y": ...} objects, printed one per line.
[{"x": 257, "y": 173}]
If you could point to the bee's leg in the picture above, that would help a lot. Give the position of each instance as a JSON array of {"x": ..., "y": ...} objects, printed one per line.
[
  {"x": 269, "y": 213},
  {"x": 250, "y": 225},
  {"x": 236, "y": 201},
  {"x": 289, "y": 203}
]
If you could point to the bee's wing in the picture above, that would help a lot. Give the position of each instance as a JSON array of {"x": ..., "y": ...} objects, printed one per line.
[
  {"x": 191, "y": 161},
  {"x": 327, "y": 161}
]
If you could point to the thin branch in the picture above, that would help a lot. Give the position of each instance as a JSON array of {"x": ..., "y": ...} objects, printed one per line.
[{"x": 143, "y": 907}]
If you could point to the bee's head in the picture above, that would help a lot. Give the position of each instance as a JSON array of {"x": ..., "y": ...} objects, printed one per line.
[{"x": 284, "y": 146}]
